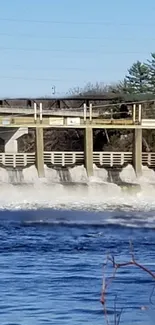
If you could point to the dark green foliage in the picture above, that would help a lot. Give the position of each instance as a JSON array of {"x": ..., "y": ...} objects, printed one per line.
[
  {"x": 138, "y": 78},
  {"x": 151, "y": 68},
  {"x": 122, "y": 88}
]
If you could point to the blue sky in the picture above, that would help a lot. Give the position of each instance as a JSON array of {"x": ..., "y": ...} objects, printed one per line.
[{"x": 68, "y": 43}]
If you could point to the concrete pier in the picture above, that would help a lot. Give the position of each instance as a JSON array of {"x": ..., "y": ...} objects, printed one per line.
[
  {"x": 137, "y": 151},
  {"x": 40, "y": 152},
  {"x": 10, "y": 137},
  {"x": 88, "y": 150}
]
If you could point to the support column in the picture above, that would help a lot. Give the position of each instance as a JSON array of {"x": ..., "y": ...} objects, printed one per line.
[
  {"x": 137, "y": 151},
  {"x": 88, "y": 151},
  {"x": 10, "y": 137},
  {"x": 40, "y": 152}
]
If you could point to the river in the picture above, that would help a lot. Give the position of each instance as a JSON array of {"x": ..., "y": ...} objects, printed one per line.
[{"x": 53, "y": 242}]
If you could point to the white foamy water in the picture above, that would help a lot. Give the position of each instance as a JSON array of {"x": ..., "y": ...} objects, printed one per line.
[{"x": 79, "y": 193}]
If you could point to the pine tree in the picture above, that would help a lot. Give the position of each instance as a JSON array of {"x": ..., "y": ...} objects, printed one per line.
[
  {"x": 138, "y": 78},
  {"x": 122, "y": 87},
  {"x": 151, "y": 68}
]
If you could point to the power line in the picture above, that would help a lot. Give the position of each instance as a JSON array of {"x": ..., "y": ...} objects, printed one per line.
[
  {"x": 97, "y": 23},
  {"x": 53, "y": 36},
  {"x": 37, "y": 79},
  {"x": 54, "y": 68},
  {"x": 97, "y": 51},
  {"x": 31, "y": 36}
]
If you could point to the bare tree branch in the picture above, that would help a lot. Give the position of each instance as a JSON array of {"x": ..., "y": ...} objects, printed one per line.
[{"x": 108, "y": 282}]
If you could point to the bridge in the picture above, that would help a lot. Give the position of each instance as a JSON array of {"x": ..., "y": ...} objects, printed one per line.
[
  {"x": 54, "y": 159},
  {"x": 106, "y": 116},
  {"x": 15, "y": 121}
]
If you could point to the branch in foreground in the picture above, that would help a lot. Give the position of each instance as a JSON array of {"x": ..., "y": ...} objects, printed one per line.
[{"x": 107, "y": 283}]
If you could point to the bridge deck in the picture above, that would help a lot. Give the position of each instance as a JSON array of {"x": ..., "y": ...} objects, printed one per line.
[
  {"x": 51, "y": 122},
  {"x": 73, "y": 112},
  {"x": 73, "y": 118}
]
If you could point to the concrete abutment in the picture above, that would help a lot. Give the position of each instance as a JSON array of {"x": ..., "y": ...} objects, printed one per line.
[{"x": 10, "y": 137}]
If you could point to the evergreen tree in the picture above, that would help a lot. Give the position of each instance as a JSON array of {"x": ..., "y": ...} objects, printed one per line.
[
  {"x": 123, "y": 87},
  {"x": 151, "y": 68},
  {"x": 138, "y": 78}
]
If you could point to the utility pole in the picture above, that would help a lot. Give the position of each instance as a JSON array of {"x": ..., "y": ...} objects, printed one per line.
[{"x": 53, "y": 90}]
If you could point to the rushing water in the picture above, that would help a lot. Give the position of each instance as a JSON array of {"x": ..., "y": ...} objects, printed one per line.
[{"x": 54, "y": 239}]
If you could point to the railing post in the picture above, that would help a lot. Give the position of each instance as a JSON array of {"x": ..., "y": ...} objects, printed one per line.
[
  {"x": 35, "y": 112},
  {"x": 111, "y": 159},
  {"x": 140, "y": 113},
  {"x": 90, "y": 112},
  {"x": 63, "y": 159},
  {"x": 14, "y": 160},
  {"x": 25, "y": 159},
  {"x": 101, "y": 156},
  {"x": 41, "y": 112},
  {"x": 122, "y": 158},
  {"x": 149, "y": 158},
  {"x": 84, "y": 112},
  {"x": 52, "y": 158},
  {"x": 74, "y": 158},
  {"x": 134, "y": 113}
]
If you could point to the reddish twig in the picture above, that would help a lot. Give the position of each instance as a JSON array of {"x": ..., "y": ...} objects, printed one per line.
[{"x": 106, "y": 284}]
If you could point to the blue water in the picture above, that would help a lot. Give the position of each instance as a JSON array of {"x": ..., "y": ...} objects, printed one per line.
[{"x": 51, "y": 266}]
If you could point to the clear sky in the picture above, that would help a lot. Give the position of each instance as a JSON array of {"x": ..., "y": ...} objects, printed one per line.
[{"x": 68, "y": 43}]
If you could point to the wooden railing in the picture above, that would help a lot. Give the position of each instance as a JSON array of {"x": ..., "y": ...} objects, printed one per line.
[{"x": 66, "y": 159}]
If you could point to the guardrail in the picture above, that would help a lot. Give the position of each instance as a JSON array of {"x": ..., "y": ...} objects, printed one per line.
[
  {"x": 77, "y": 158},
  {"x": 39, "y": 112},
  {"x": 112, "y": 158},
  {"x": 148, "y": 158},
  {"x": 110, "y": 115},
  {"x": 67, "y": 159},
  {"x": 107, "y": 112},
  {"x": 17, "y": 159},
  {"x": 64, "y": 158}
]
